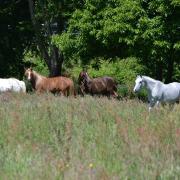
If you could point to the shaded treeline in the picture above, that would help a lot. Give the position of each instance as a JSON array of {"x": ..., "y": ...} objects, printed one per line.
[{"x": 64, "y": 32}]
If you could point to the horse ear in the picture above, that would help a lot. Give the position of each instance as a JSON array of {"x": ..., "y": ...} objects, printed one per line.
[{"x": 30, "y": 68}]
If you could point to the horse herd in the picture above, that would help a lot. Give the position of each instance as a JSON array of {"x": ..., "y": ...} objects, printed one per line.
[
  {"x": 107, "y": 86},
  {"x": 61, "y": 85}
]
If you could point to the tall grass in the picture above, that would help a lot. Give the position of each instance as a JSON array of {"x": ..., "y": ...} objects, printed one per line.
[{"x": 48, "y": 137}]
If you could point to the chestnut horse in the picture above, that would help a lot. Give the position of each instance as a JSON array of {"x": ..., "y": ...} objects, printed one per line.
[
  {"x": 97, "y": 86},
  {"x": 60, "y": 84}
]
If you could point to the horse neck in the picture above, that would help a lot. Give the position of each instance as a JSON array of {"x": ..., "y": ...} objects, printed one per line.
[
  {"x": 149, "y": 82},
  {"x": 88, "y": 79},
  {"x": 36, "y": 78},
  {"x": 87, "y": 82}
]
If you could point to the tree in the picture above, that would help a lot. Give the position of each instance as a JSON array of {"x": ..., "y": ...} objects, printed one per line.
[
  {"x": 49, "y": 52},
  {"x": 102, "y": 28},
  {"x": 45, "y": 15},
  {"x": 147, "y": 29},
  {"x": 15, "y": 36},
  {"x": 159, "y": 37}
]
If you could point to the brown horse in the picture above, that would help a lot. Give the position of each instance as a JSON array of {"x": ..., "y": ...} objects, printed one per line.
[
  {"x": 97, "y": 86},
  {"x": 62, "y": 85}
]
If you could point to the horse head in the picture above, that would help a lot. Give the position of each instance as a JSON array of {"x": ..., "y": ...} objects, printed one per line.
[
  {"x": 83, "y": 76},
  {"x": 83, "y": 81},
  {"x": 139, "y": 83},
  {"x": 29, "y": 73}
]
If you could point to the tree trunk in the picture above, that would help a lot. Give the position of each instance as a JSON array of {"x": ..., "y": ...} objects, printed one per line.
[
  {"x": 170, "y": 69},
  {"x": 159, "y": 70},
  {"x": 53, "y": 59},
  {"x": 55, "y": 67},
  {"x": 170, "y": 65}
]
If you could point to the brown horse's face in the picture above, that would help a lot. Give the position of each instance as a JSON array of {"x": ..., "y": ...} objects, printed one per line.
[
  {"x": 28, "y": 74},
  {"x": 83, "y": 75}
]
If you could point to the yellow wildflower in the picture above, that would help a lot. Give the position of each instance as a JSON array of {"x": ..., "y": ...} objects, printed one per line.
[{"x": 91, "y": 165}]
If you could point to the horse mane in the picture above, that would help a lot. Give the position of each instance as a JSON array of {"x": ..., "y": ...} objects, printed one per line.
[
  {"x": 36, "y": 77},
  {"x": 151, "y": 79},
  {"x": 37, "y": 74},
  {"x": 88, "y": 79}
]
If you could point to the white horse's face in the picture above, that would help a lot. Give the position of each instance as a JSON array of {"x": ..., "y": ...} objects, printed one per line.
[
  {"x": 28, "y": 74},
  {"x": 138, "y": 83}
]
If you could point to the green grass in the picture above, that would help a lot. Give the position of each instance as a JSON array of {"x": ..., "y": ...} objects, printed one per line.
[{"x": 48, "y": 137}]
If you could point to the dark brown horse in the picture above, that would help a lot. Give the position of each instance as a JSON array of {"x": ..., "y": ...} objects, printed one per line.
[
  {"x": 97, "y": 86},
  {"x": 60, "y": 84}
]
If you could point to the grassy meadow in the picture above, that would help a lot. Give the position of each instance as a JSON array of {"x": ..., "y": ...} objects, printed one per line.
[{"x": 48, "y": 137}]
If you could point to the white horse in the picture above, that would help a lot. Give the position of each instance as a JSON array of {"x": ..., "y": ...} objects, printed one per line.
[
  {"x": 158, "y": 91},
  {"x": 12, "y": 84}
]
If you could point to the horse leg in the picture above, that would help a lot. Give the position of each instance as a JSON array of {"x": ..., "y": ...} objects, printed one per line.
[
  {"x": 67, "y": 91},
  {"x": 114, "y": 94},
  {"x": 39, "y": 91},
  {"x": 157, "y": 104},
  {"x": 61, "y": 93},
  {"x": 171, "y": 106},
  {"x": 151, "y": 104},
  {"x": 72, "y": 91},
  {"x": 108, "y": 95}
]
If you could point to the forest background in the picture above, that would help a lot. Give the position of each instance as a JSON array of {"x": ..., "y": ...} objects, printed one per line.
[{"x": 119, "y": 38}]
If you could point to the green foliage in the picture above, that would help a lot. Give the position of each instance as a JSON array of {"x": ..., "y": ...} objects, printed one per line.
[
  {"x": 175, "y": 3},
  {"x": 145, "y": 29},
  {"x": 35, "y": 62},
  {"x": 101, "y": 26},
  {"x": 92, "y": 30},
  {"x": 123, "y": 70},
  {"x": 68, "y": 47},
  {"x": 177, "y": 71}
]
